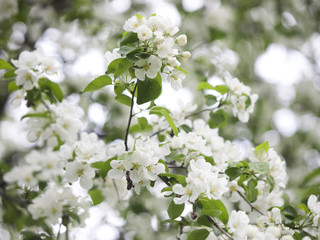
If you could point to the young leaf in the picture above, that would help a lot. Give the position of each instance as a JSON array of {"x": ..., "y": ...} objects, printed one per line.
[
  {"x": 204, "y": 85},
  {"x": 264, "y": 147},
  {"x": 10, "y": 74},
  {"x": 104, "y": 167},
  {"x": 250, "y": 191},
  {"x": 124, "y": 99},
  {"x": 218, "y": 119},
  {"x": 5, "y": 65},
  {"x": 270, "y": 180},
  {"x": 175, "y": 210},
  {"x": 143, "y": 122},
  {"x": 149, "y": 89},
  {"x": 96, "y": 196},
  {"x": 259, "y": 167},
  {"x": 233, "y": 173},
  {"x": 52, "y": 87},
  {"x": 210, "y": 100},
  {"x": 123, "y": 67},
  {"x": 211, "y": 206},
  {"x": 222, "y": 89},
  {"x": 98, "y": 83},
  {"x": 164, "y": 112},
  {"x": 199, "y": 234},
  {"x": 124, "y": 50},
  {"x": 38, "y": 115},
  {"x": 129, "y": 38},
  {"x": 12, "y": 86}
]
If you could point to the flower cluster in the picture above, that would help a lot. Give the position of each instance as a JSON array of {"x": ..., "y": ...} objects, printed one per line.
[
  {"x": 241, "y": 99},
  {"x": 142, "y": 166},
  {"x": 31, "y": 66},
  {"x": 156, "y": 42},
  {"x": 58, "y": 125},
  {"x": 203, "y": 178},
  {"x": 55, "y": 203},
  {"x": 87, "y": 150},
  {"x": 314, "y": 206}
]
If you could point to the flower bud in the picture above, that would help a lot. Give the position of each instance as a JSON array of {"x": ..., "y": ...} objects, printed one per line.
[
  {"x": 185, "y": 56},
  {"x": 182, "y": 40}
]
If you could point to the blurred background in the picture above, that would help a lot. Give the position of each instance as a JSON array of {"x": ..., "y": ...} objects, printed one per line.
[{"x": 272, "y": 46}]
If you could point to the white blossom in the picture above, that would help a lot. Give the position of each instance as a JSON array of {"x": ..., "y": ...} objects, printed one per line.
[
  {"x": 182, "y": 40},
  {"x": 149, "y": 67}
]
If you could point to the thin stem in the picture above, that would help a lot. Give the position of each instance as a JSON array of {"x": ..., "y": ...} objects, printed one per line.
[
  {"x": 221, "y": 230},
  {"x": 44, "y": 103},
  {"x": 130, "y": 118},
  {"x": 204, "y": 110},
  {"x": 252, "y": 207}
]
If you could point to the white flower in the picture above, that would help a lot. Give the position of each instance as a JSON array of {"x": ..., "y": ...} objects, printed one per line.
[
  {"x": 144, "y": 33},
  {"x": 237, "y": 87},
  {"x": 26, "y": 78},
  {"x": 173, "y": 62},
  {"x": 27, "y": 60},
  {"x": 149, "y": 67},
  {"x": 156, "y": 24},
  {"x": 110, "y": 56},
  {"x": 76, "y": 170},
  {"x": 288, "y": 237},
  {"x": 314, "y": 204},
  {"x": 182, "y": 40},
  {"x": 165, "y": 49},
  {"x": 238, "y": 223},
  {"x": 133, "y": 23},
  {"x": 185, "y": 56},
  {"x": 17, "y": 98},
  {"x": 89, "y": 148}
]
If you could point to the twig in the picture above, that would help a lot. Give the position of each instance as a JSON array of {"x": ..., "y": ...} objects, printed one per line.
[
  {"x": 252, "y": 207},
  {"x": 221, "y": 230},
  {"x": 130, "y": 117},
  {"x": 44, "y": 103},
  {"x": 12, "y": 199},
  {"x": 204, "y": 110}
]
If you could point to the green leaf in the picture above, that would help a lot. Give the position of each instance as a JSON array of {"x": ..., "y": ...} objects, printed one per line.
[
  {"x": 251, "y": 191},
  {"x": 119, "y": 87},
  {"x": 103, "y": 166},
  {"x": 222, "y": 89},
  {"x": 38, "y": 115},
  {"x": 5, "y": 65},
  {"x": 164, "y": 112},
  {"x": 186, "y": 128},
  {"x": 199, "y": 234},
  {"x": 129, "y": 38},
  {"x": 53, "y": 88},
  {"x": 178, "y": 177},
  {"x": 233, "y": 173},
  {"x": 204, "y": 85},
  {"x": 123, "y": 67},
  {"x": 98, "y": 83},
  {"x": 124, "y": 50},
  {"x": 29, "y": 235},
  {"x": 264, "y": 147},
  {"x": 304, "y": 208},
  {"x": 149, "y": 89},
  {"x": 10, "y": 74},
  {"x": 216, "y": 208},
  {"x": 218, "y": 119},
  {"x": 310, "y": 176},
  {"x": 204, "y": 220},
  {"x": 144, "y": 55},
  {"x": 181, "y": 70},
  {"x": 210, "y": 100},
  {"x": 270, "y": 180},
  {"x": 113, "y": 66},
  {"x": 96, "y": 196},
  {"x": 123, "y": 99},
  {"x": 289, "y": 212},
  {"x": 143, "y": 122},
  {"x": 13, "y": 87},
  {"x": 175, "y": 210},
  {"x": 259, "y": 167}
]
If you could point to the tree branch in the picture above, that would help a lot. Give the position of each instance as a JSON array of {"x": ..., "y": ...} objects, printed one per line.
[
  {"x": 130, "y": 118},
  {"x": 217, "y": 226},
  {"x": 252, "y": 207}
]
